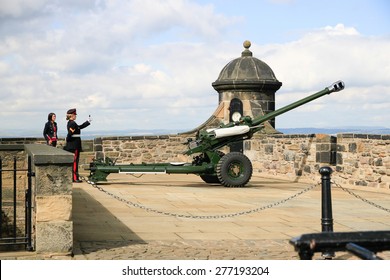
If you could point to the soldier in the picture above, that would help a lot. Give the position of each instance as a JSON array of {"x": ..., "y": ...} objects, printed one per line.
[
  {"x": 50, "y": 130},
  {"x": 73, "y": 141}
]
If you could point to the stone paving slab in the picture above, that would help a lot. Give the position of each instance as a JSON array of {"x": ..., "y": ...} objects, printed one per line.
[
  {"x": 259, "y": 234},
  {"x": 181, "y": 217}
]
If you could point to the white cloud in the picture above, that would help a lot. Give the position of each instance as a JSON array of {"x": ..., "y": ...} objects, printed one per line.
[
  {"x": 327, "y": 55},
  {"x": 131, "y": 63},
  {"x": 340, "y": 30},
  {"x": 4, "y": 68},
  {"x": 17, "y": 8},
  {"x": 330, "y": 54}
]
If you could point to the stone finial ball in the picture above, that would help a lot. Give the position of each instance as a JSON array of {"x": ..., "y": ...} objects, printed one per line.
[{"x": 247, "y": 44}]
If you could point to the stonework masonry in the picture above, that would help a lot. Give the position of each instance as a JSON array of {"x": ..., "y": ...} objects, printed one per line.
[
  {"x": 364, "y": 160},
  {"x": 356, "y": 159},
  {"x": 138, "y": 149},
  {"x": 53, "y": 198}
]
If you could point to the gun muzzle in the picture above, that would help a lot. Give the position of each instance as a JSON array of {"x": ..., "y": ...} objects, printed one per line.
[{"x": 337, "y": 86}]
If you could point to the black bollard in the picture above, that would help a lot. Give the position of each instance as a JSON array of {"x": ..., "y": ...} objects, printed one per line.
[
  {"x": 326, "y": 210},
  {"x": 326, "y": 205}
]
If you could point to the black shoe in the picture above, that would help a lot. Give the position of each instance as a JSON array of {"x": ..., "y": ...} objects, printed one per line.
[{"x": 77, "y": 181}]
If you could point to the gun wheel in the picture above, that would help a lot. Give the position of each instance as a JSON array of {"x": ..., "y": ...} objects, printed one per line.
[{"x": 234, "y": 170}]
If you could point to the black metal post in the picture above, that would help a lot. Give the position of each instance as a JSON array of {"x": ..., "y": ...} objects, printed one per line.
[
  {"x": 326, "y": 199},
  {"x": 326, "y": 205},
  {"x": 30, "y": 173}
]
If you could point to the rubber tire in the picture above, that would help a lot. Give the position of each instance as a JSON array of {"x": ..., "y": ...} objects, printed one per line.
[
  {"x": 210, "y": 179},
  {"x": 227, "y": 176}
]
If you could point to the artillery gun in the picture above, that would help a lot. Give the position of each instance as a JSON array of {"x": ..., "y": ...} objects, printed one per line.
[{"x": 233, "y": 169}]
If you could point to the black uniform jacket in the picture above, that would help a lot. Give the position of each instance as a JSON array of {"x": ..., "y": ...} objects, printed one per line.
[
  {"x": 50, "y": 131},
  {"x": 73, "y": 140}
]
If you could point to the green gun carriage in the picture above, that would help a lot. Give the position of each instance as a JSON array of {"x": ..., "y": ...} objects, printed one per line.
[{"x": 232, "y": 169}]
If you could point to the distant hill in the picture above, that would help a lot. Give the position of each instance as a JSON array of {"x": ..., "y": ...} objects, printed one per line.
[
  {"x": 87, "y": 134},
  {"x": 132, "y": 132},
  {"x": 302, "y": 130},
  {"x": 334, "y": 131}
]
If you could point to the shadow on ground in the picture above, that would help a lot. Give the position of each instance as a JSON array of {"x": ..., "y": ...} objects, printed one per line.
[{"x": 90, "y": 220}]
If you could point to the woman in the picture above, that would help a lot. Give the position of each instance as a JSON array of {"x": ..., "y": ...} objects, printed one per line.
[
  {"x": 73, "y": 141},
  {"x": 50, "y": 130}
]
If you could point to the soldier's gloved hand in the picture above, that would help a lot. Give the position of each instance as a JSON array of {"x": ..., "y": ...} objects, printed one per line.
[{"x": 89, "y": 119}]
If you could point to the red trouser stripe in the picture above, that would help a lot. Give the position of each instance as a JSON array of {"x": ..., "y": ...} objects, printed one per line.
[{"x": 75, "y": 163}]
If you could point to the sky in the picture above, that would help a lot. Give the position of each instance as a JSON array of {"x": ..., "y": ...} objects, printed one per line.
[{"x": 149, "y": 64}]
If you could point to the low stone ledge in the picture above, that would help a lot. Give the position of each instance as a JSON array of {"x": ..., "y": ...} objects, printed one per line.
[
  {"x": 293, "y": 136},
  {"x": 364, "y": 136},
  {"x": 53, "y": 198},
  {"x": 11, "y": 147},
  {"x": 44, "y": 154}
]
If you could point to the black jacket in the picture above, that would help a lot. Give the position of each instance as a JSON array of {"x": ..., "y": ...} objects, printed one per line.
[
  {"x": 73, "y": 140},
  {"x": 50, "y": 131}
]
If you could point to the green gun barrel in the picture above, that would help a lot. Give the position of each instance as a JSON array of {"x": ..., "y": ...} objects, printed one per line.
[
  {"x": 337, "y": 86},
  {"x": 207, "y": 141}
]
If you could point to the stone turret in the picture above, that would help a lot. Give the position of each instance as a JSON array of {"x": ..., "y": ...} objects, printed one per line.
[{"x": 248, "y": 85}]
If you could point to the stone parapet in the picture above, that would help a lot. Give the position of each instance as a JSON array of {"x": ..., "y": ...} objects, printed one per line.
[
  {"x": 364, "y": 160},
  {"x": 357, "y": 159},
  {"x": 138, "y": 149},
  {"x": 289, "y": 156},
  {"x": 52, "y": 194}
]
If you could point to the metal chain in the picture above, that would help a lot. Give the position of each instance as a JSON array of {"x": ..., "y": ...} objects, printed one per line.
[
  {"x": 222, "y": 216},
  {"x": 361, "y": 198}
]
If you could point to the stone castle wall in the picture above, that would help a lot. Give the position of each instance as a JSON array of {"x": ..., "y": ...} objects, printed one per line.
[
  {"x": 138, "y": 149},
  {"x": 364, "y": 160},
  {"x": 356, "y": 159}
]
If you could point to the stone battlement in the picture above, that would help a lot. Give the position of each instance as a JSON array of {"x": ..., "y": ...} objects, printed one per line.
[{"x": 356, "y": 159}]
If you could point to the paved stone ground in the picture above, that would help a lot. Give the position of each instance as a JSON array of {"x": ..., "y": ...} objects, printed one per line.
[
  {"x": 201, "y": 250},
  {"x": 166, "y": 217},
  {"x": 189, "y": 250}
]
